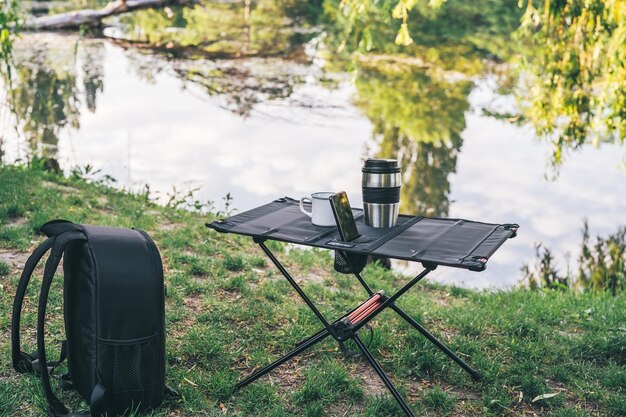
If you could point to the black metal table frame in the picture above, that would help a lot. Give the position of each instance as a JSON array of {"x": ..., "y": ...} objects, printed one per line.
[{"x": 330, "y": 329}]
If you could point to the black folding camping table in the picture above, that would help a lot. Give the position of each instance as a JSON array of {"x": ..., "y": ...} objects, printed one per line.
[{"x": 431, "y": 241}]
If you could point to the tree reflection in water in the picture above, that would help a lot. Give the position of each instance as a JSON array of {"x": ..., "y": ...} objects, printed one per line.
[
  {"x": 262, "y": 28},
  {"x": 228, "y": 29},
  {"x": 417, "y": 109},
  {"x": 61, "y": 75},
  {"x": 46, "y": 96},
  {"x": 237, "y": 86},
  {"x": 418, "y": 115},
  {"x": 416, "y": 98},
  {"x": 240, "y": 87}
]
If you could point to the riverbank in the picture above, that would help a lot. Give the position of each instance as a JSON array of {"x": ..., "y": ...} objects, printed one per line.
[{"x": 229, "y": 311}]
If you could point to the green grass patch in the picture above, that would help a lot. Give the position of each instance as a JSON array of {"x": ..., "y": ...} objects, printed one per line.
[
  {"x": 230, "y": 312},
  {"x": 4, "y": 269}
]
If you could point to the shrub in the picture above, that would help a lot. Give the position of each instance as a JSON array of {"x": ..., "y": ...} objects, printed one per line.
[{"x": 601, "y": 266}]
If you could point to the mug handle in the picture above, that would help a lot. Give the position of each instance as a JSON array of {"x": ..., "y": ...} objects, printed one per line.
[{"x": 302, "y": 200}]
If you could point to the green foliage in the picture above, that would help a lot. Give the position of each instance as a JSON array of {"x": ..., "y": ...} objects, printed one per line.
[
  {"x": 372, "y": 25},
  {"x": 357, "y": 13},
  {"x": 575, "y": 71},
  {"x": 544, "y": 274},
  {"x": 601, "y": 266},
  {"x": 360, "y": 24},
  {"x": 8, "y": 24}
]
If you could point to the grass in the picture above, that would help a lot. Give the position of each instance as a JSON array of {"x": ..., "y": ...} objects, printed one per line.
[
  {"x": 5, "y": 269},
  {"x": 229, "y": 311}
]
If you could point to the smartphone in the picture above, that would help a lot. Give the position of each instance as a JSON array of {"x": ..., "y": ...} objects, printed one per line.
[{"x": 343, "y": 216}]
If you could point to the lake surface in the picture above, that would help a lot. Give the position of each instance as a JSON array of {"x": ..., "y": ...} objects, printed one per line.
[{"x": 261, "y": 128}]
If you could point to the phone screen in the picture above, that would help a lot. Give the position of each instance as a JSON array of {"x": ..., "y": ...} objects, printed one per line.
[{"x": 343, "y": 216}]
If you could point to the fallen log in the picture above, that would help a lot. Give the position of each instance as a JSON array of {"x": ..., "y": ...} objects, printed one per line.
[{"x": 92, "y": 17}]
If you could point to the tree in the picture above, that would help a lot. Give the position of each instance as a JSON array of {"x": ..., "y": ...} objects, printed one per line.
[
  {"x": 574, "y": 69},
  {"x": 405, "y": 26}
]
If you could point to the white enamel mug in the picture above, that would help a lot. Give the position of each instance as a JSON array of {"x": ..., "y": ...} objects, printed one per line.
[{"x": 321, "y": 212}]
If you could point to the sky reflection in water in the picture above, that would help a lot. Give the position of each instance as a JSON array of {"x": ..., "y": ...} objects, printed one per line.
[{"x": 264, "y": 128}]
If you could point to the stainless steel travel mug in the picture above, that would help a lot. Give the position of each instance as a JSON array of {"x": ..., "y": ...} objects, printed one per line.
[{"x": 381, "y": 192}]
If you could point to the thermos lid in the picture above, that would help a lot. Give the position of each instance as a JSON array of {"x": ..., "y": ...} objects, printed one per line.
[{"x": 381, "y": 166}]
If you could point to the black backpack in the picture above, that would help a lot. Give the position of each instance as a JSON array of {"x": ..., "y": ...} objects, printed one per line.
[{"x": 114, "y": 311}]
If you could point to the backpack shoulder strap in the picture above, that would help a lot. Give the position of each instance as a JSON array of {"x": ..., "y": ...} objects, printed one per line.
[
  {"x": 56, "y": 227},
  {"x": 55, "y": 407},
  {"x": 23, "y": 362}
]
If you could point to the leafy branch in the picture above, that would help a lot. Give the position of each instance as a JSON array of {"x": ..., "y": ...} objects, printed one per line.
[
  {"x": 353, "y": 9},
  {"x": 8, "y": 23},
  {"x": 575, "y": 70}
]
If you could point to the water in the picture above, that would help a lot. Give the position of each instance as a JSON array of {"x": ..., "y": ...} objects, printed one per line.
[{"x": 261, "y": 128}]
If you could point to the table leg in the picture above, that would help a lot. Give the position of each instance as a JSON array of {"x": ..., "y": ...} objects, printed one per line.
[
  {"x": 390, "y": 300},
  {"x": 398, "y": 397},
  {"x": 299, "y": 349},
  {"x": 318, "y": 337},
  {"x": 474, "y": 374}
]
